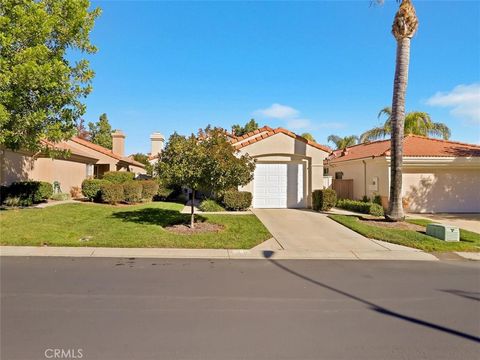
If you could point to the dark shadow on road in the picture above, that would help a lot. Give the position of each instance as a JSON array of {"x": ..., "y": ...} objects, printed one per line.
[
  {"x": 380, "y": 309},
  {"x": 465, "y": 294},
  {"x": 154, "y": 216}
]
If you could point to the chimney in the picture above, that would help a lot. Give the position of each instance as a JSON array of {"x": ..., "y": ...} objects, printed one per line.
[
  {"x": 118, "y": 142},
  {"x": 157, "y": 141}
]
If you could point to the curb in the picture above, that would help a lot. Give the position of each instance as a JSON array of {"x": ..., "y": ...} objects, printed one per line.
[{"x": 226, "y": 254}]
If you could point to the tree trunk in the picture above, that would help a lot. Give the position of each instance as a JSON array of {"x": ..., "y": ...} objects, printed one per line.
[
  {"x": 395, "y": 208},
  {"x": 192, "y": 212}
]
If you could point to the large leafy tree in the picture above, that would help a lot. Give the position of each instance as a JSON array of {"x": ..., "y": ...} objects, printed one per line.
[
  {"x": 405, "y": 25},
  {"x": 101, "y": 132},
  {"x": 40, "y": 87},
  {"x": 416, "y": 123},
  {"x": 250, "y": 126},
  {"x": 204, "y": 161},
  {"x": 343, "y": 142},
  {"x": 143, "y": 158}
]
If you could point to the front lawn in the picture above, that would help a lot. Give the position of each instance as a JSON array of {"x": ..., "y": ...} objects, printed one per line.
[
  {"x": 124, "y": 226},
  {"x": 469, "y": 241}
]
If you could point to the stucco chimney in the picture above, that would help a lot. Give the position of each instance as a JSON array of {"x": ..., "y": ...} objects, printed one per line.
[
  {"x": 118, "y": 142},
  {"x": 157, "y": 141}
]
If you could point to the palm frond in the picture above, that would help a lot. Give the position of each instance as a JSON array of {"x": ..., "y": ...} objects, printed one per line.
[
  {"x": 385, "y": 111},
  {"x": 440, "y": 130},
  {"x": 374, "y": 134},
  {"x": 335, "y": 139}
]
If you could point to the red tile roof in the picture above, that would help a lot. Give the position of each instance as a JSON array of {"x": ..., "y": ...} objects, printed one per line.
[
  {"x": 266, "y": 132},
  {"x": 413, "y": 145},
  {"x": 65, "y": 146},
  {"x": 106, "y": 151}
]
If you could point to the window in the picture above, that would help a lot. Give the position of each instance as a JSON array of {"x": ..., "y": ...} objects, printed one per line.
[
  {"x": 339, "y": 175},
  {"x": 325, "y": 171},
  {"x": 89, "y": 170}
]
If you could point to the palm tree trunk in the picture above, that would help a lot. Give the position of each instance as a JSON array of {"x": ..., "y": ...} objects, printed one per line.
[
  {"x": 192, "y": 210},
  {"x": 395, "y": 209}
]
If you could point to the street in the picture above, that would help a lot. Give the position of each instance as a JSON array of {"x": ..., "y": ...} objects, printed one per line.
[{"x": 111, "y": 309}]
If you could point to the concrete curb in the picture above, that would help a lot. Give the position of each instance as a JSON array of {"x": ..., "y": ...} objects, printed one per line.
[
  {"x": 475, "y": 256},
  {"x": 97, "y": 252}
]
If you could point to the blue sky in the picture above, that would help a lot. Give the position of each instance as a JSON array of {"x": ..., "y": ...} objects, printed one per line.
[{"x": 324, "y": 67}]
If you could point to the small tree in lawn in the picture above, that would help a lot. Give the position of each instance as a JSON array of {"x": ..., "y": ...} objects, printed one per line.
[{"x": 206, "y": 161}]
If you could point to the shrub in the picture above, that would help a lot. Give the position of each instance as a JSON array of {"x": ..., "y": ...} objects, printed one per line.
[
  {"x": 361, "y": 207},
  {"x": 4, "y": 192},
  {"x": 210, "y": 206},
  {"x": 377, "y": 199},
  {"x": 132, "y": 191},
  {"x": 60, "y": 196},
  {"x": 31, "y": 191},
  {"x": 118, "y": 177},
  {"x": 149, "y": 189},
  {"x": 365, "y": 199},
  {"x": 112, "y": 193},
  {"x": 237, "y": 200},
  {"x": 91, "y": 188},
  {"x": 324, "y": 200},
  {"x": 14, "y": 201},
  {"x": 75, "y": 192}
]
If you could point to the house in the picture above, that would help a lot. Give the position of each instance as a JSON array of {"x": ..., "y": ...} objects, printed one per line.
[
  {"x": 438, "y": 175},
  {"x": 288, "y": 167},
  {"x": 85, "y": 160}
]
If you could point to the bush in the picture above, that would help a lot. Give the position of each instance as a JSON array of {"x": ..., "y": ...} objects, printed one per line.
[
  {"x": 112, "y": 193},
  {"x": 365, "y": 199},
  {"x": 91, "y": 188},
  {"x": 60, "y": 196},
  {"x": 377, "y": 199},
  {"x": 237, "y": 200},
  {"x": 149, "y": 189},
  {"x": 361, "y": 207},
  {"x": 118, "y": 177},
  {"x": 4, "y": 192},
  {"x": 324, "y": 200},
  {"x": 132, "y": 191},
  {"x": 14, "y": 201},
  {"x": 75, "y": 192},
  {"x": 210, "y": 206},
  {"x": 31, "y": 192}
]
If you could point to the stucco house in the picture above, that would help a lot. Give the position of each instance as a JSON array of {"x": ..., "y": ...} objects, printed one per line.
[
  {"x": 288, "y": 167},
  {"x": 86, "y": 160},
  {"x": 438, "y": 175}
]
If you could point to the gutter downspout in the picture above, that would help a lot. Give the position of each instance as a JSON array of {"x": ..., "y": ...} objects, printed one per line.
[{"x": 364, "y": 177}]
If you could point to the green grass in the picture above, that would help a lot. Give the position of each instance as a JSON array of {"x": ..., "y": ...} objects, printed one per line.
[
  {"x": 469, "y": 241},
  {"x": 129, "y": 226}
]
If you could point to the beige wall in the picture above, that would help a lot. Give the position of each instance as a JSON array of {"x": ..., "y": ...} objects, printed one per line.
[
  {"x": 441, "y": 190},
  {"x": 363, "y": 175},
  {"x": 283, "y": 148},
  {"x": 20, "y": 167}
]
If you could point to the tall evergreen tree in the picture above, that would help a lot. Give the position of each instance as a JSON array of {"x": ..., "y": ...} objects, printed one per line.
[{"x": 101, "y": 132}]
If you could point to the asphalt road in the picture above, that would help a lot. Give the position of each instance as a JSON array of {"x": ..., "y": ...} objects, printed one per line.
[{"x": 241, "y": 309}]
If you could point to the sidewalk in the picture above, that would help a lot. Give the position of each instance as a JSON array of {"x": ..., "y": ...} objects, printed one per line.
[{"x": 255, "y": 253}]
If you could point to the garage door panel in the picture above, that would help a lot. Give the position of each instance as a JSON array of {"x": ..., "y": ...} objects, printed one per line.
[{"x": 279, "y": 185}]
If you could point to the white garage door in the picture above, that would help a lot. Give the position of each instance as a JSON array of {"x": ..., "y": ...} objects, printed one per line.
[{"x": 279, "y": 185}]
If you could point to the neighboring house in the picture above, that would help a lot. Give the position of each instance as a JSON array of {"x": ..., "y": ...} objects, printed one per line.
[
  {"x": 157, "y": 141},
  {"x": 438, "y": 175},
  {"x": 288, "y": 167},
  {"x": 86, "y": 160}
]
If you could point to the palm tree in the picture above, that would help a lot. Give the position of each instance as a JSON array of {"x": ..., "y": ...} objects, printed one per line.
[
  {"x": 416, "y": 123},
  {"x": 405, "y": 25},
  {"x": 308, "y": 136},
  {"x": 342, "y": 143}
]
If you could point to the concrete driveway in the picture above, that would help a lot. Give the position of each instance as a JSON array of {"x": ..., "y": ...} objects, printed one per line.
[{"x": 296, "y": 229}]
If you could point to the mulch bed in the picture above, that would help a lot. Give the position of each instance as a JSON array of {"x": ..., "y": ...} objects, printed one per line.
[
  {"x": 401, "y": 225},
  {"x": 200, "y": 228}
]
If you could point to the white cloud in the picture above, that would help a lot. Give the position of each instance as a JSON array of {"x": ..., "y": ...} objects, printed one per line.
[
  {"x": 463, "y": 99},
  {"x": 278, "y": 111}
]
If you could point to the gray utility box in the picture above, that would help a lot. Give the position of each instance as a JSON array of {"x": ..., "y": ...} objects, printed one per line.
[{"x": 443, "y": 232}]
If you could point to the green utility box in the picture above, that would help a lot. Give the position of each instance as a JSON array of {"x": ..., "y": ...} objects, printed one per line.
[{"x": 443, "y": 232}]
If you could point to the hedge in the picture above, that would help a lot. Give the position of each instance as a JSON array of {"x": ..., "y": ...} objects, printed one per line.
[
  {"x": 209, "y": 205},
  {"x": 324, "y": 200},
  {"x": 361, "y": 207},
  {"x": 91, "y": 188},
  {"x": 132, "y": 191},
  {"x": 112, "y": 193},
  {"x": 149, "y": 189},
  {"x": 118, "y": 177},
  {"x": 29, "y": 192},
  {"x": 237, "y": 200}
]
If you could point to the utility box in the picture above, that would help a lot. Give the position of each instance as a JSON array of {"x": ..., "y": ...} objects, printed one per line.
[{"x": 444, "y": 232}]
